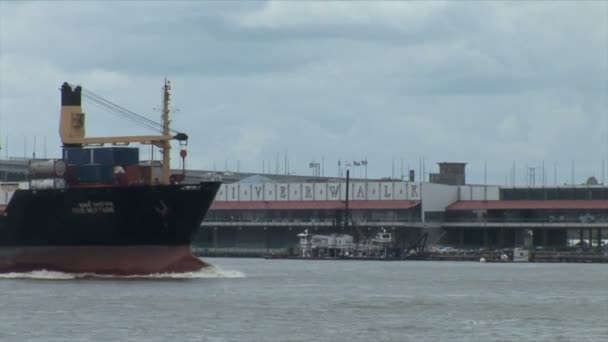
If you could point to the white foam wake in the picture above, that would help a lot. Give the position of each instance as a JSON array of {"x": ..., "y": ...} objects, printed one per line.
[
  {"x": 205, "y": 273},
  {"x": 42, "y": 274}
]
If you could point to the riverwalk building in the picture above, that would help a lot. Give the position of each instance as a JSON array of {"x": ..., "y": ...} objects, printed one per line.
[{"x": 261, "y": 213}]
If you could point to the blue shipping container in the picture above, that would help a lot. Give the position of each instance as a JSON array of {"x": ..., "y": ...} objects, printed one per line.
[
  {"x": 77, "y": 156},
  {"x": 95, "y": 173},
  {"x": 126, "y": 156},
  {"x": 116, "y": 156}
]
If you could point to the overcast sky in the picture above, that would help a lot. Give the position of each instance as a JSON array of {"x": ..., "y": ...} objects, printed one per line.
[{"x": 478, "y": 82}]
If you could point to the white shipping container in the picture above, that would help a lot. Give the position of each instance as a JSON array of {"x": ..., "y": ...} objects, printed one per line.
[
  {"x": 48, "y": 183},
  {"x": 46, "y": 168}
]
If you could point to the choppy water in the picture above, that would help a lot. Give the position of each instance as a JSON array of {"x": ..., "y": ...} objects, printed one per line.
[{"x": 291, "y": 300}]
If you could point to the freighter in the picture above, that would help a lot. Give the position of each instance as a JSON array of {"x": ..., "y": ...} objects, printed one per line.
[{"x": 99, "y": 209}]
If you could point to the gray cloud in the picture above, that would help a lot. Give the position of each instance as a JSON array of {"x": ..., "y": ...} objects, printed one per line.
[{"x": 478, "y": 82}]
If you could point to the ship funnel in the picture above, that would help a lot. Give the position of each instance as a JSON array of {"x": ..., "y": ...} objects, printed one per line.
[
  {"x": 72, "y": 116},
  {"x": 71, "y": 97}
]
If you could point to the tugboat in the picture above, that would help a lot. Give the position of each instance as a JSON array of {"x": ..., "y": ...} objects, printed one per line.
[
  {"x": 98, "y": 210},
  {"x": 342, "y": 246},
  {"x": 325, "y": 246}
]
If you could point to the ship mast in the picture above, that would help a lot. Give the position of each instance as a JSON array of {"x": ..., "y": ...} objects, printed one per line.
[{"x": 166, "y": 144}]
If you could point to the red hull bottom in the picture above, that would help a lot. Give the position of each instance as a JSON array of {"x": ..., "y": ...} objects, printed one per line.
[{"x": 128, "y": 260}]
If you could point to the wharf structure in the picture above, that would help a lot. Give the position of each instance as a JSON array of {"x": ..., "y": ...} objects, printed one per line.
[{"x": 260, "y": 214}]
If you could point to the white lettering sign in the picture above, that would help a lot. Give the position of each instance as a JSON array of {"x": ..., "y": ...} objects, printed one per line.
[
  {"x": 333, "y": 191},
  {"x": 233, "y": 192},
  {"x": 321, "y": 192},
  {"x": 386, "y": 191},
  {"x": 270, "y": 193},
  {"x": 245, "y": 192},
  {"x": 413, "y": 191},
  {"x": 257, "y": 192},
  {"x": 282, "y": 192},
  {"x": 308, "y": 192},
  {"x": 399, "y": 190},
  {"x": 89, "y": 207},
  {"x": 359, "y": 191}
]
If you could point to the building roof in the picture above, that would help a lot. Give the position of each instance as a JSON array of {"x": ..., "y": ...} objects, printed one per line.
[
  {"x": 312, "y": 205},
  {"x": 255, "y": 179},
  {"x": 528, "y": 204}
]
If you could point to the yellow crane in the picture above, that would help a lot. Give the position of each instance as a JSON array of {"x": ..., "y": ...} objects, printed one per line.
[{"x": 73, "y": 134}]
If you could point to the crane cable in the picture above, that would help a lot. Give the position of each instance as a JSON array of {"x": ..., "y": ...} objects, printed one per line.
[{"x": 122, "y": 112}]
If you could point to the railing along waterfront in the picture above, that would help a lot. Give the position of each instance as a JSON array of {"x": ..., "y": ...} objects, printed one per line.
[{"x": 548, "y": 219}]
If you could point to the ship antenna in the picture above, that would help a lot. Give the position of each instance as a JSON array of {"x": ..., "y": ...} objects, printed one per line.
[{"x": 166, "y": 149}]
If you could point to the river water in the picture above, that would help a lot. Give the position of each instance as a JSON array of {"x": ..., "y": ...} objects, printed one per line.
[{"x": 295, "y": 300}]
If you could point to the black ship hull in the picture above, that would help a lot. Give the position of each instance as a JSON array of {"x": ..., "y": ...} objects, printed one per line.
[{"x": 110, "y": 229}]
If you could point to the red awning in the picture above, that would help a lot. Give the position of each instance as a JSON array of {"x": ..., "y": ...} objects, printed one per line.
[
  {"x": 529, "y": 204},
  {"x": 311, "y": 205}
]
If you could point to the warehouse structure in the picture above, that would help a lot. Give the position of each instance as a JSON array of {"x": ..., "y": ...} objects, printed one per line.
[{"x": 260, "y": 213}]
